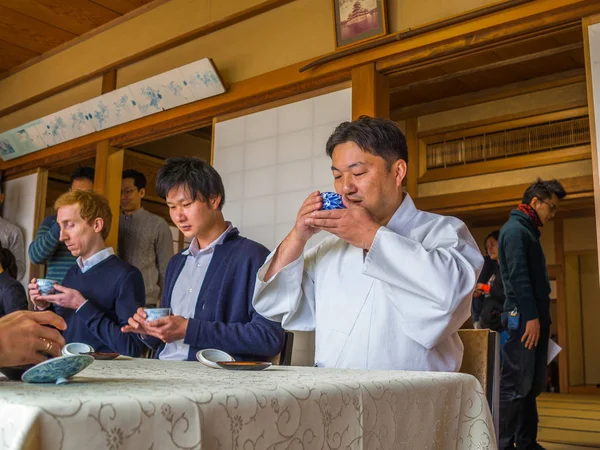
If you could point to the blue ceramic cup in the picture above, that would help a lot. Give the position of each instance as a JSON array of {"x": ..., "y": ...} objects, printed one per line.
[
  {"x": 157, "y": 313},
  {"x": 332, "y": 200},
  {"x": 46, "y": 286}
]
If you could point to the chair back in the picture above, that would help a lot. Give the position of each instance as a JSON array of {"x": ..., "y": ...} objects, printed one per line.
[
  {"x": 285, "y": 357},
  {"x": 482, "y": 360}
]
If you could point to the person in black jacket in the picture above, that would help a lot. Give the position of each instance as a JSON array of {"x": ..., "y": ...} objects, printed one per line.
[
  {"x": 12, "y": 293},
  {"x": 526, "y": 313},
  {"x": 490, "y": 267}
]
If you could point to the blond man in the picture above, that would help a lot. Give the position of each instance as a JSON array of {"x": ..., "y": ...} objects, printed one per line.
[{"x": 101, "y": 291}]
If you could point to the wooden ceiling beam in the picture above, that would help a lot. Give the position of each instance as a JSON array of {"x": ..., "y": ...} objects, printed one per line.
[
  {"x": 488, "y": 67},
  {"x": 576, "y": 187},
  {"x": 398, "y": 66},
  {"x": 488, "y": 95}
]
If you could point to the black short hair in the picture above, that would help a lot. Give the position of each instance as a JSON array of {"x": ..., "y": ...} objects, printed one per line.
[
  {"x": 494, "y": 234},
  {"x": 83, "y": 173},
  {"x": 139, "y": 179},
  {"x": 380, "y": 137},
  {"x": 543, "y": 190},
  {"x": 8, "y": 261},
  {"x": 198, "y": 177}
]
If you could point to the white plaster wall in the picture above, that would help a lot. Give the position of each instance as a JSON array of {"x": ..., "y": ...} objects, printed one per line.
[
  {"x": 270, "y": 162},
  {"x": 19, "y": 208}
]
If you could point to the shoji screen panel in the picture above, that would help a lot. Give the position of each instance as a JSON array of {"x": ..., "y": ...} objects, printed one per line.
[{"x": 271, "y": 160}]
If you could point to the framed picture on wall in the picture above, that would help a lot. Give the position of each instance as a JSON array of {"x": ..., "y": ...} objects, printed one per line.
[{"x": 358, "y": 20}]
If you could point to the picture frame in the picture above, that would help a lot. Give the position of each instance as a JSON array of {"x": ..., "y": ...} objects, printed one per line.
[{"x": 358, "y": 20}]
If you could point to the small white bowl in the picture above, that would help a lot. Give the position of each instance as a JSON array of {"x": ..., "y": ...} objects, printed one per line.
[
  {"x": 76, "y": 348},
  {"x": 210, "y": 356}
]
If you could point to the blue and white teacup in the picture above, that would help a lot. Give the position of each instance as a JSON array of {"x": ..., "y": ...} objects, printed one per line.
[
  {"x": 46, "y": 286},
  {"x": 156, "y": 313},
  {"x": 332, "y": 200}
]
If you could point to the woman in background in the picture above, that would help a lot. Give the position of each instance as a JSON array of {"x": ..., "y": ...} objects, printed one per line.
[
  {"x": 491, "y": 293},
  {"x": 12, "y": 293},
  {"x": 490, "y": 267}
]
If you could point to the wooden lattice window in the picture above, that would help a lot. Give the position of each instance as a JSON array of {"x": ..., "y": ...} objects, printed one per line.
[{"x": 547, "y": 136}]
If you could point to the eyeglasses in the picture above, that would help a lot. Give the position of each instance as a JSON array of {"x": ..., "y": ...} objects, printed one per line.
[
  {"x": 552, "y": 207},
  {"x": 128, "y": 191}
]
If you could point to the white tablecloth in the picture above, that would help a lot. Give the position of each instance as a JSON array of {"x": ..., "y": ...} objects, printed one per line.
[{"x": 154, "y": 405}]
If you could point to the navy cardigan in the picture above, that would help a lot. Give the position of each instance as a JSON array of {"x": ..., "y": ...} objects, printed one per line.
[{"x": 224, "y": 317}]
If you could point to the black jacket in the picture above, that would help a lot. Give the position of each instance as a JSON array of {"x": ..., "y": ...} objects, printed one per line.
[
  {"x": 12, "y": 295},
  {"x": 493, "y": 303},
  {"x": 523, "y": 269},
  {"x": 489, "y": 268}
]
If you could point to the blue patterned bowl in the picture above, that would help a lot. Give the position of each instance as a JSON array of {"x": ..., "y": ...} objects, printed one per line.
[
  {"x": 46, "y": 286},
  {"x": 332, "y": 200},
  {"x": 157, "y": 313},
  {"x": 57, "y": 370}
]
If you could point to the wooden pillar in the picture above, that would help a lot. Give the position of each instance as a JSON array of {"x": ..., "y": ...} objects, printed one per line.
[
  {"x": 112, "y": 190},
  {"x": 108, "y": 169},
  {"x": 370, "y": 93},
  {"x": 109, "y": 81},
  {"x": 593, "y": 115},
  {"x": 561, "y": 307},
  {"x": 412, "y": 141},
  {"x": 37, "y": 270}
]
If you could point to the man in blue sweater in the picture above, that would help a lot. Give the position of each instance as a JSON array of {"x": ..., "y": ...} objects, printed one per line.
[
  {"x": 208, "y": 286},
  {"x": 526, "y": 313},
  {"x": 100, "y": 292},
  {"x": 46, "y": 247}
]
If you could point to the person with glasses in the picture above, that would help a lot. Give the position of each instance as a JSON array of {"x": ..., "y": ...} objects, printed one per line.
[
  {"x": 526, "y": 313},
  {"x": 145, "y": 239}
]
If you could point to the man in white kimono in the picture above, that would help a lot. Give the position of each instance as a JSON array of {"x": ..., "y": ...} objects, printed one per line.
[{"x": 392, "y": 286}]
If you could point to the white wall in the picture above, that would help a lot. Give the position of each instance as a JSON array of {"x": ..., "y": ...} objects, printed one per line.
[
  {"x": 270, "y": 162},
  {"x": 19, "y": 208}
]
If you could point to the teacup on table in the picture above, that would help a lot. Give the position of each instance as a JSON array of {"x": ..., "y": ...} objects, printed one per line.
[
  {"x": 76, "y": 348},
  {"x": 46, "y": 286},
  {"x": 156, "y": 313}
]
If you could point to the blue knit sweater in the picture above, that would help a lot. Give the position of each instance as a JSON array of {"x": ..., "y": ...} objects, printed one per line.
[
  {"x": 47, "y": 249},
  {"x": 114, "y": 291},
  {"x": 224, "y": 317}
]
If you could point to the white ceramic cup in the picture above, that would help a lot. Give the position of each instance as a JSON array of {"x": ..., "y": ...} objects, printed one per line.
[
  {"x": 210, "y": 356},
  {"x": 76, "y": 348}
]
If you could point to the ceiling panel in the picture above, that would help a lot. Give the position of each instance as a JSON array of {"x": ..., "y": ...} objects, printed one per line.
[
  {"x": 489, "y": 69},
  {"x": 12, "y": 55},
  {"x": 123, "y": 6},
  {"x": 38, "y": 26},
  {"x": 32, "y": 34},
  {"x": 74, "y": 17},
  {"x": 414, "y": 76}
]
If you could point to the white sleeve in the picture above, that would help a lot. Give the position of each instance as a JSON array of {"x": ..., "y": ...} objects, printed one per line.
[
  {"x": 289, "y": 296},
  {"x": 430, "y": 282}
]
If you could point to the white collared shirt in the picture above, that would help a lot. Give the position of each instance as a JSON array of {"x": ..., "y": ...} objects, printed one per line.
[
  {"x": 96, "y": 258},
  {"x": 187, "y": 289}
]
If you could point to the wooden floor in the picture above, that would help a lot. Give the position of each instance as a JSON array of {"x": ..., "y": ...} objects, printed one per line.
[{"x": 569, "y": 421}]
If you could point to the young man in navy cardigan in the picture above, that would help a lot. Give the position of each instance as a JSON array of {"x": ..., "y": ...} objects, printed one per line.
[
  {"x": 100, "y": 292},
  {"x": 208, "y": 286}
]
